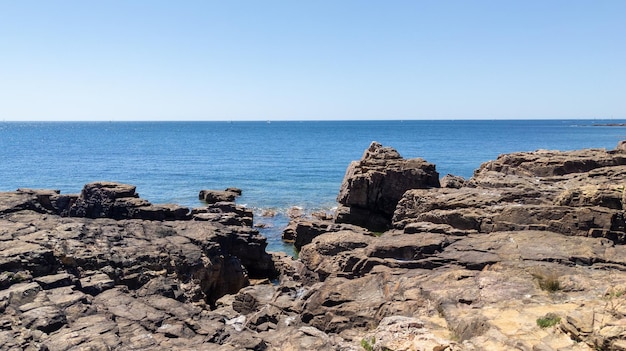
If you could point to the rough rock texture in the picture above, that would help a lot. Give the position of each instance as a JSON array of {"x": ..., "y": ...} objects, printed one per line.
[
  {"x": 99, "y": 200},
  {"x": 452, "y": 181},
  {"x": 372, "y": 186},
  {"x": 303, "y": 231},
  {"x": 214, "y": 196},
  {"x": 227, "y": 213},
  {"x": 573, "y": 193},
  {"x": 512, "y": 259},
  {"x": 478, "y": 265},
  {"x": 106, "y": 280}
]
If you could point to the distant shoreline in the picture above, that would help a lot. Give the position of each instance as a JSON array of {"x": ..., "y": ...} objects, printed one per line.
[{"x": 609, "y": 124}]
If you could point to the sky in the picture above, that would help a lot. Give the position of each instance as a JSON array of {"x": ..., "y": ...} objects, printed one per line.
[{"x": 312, "y": 60}]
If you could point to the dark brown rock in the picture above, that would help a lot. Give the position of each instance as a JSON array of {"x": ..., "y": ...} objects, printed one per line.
[
  {"x": 303, "y": 231},
  {"x": 214, "y": 196},
  {"x": 98, "y": 200},
  {"x": 143, "y": 270},
  {"x": 361, "y": 217},
  {"x": 120, "y": 201},
  {"x": 373, "y": 185},
  {"x": 226, "y": 213}
]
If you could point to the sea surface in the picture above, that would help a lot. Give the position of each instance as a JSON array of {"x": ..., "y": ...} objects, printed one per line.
[{"x": 279, "y": 165}]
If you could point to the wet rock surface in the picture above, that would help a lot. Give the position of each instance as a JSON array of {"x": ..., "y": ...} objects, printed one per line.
[{"x": 528, "y": 254}]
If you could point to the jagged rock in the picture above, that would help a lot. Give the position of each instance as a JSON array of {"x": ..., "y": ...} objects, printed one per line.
[
  {"x": 97, "y": 200},
  {"x": 21, "y": 255},
  {"x": 573, "y": 193},
  {"x": 132, "y": 276},
  {"x": 18, "y": 201},
  {"x": 95, "y": 284},
  {"x": 214, "y": 196},
  {"x": 119, "y": 201},
  {"x": 226, "y": 213},
  {"x": 340, "y": 304},
  {"x": 46, "y": 319},
  {"x": 607, "y": 195},
  {"x": 55, "y": 280},
  {"x": 163, "y": 286},
  {"x": 361, "y": 217},
  {"x": 89, "y": 332},
  {"x": 452, "y": 181},
  {"x": 344, "y": 248},
  {"x": 477, "y": 264},
  {"x": 578, "y": 324},
  {"x": 372, "y": 186},
  {"x": 429, "y": 227},
  {"x": 308, "y": 338}
]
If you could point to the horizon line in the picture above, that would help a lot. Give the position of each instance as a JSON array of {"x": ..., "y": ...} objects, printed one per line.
[{"x": 308, "y": 120}]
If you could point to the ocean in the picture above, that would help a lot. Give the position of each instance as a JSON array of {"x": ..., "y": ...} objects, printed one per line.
[{"x": 278, "y": 165}]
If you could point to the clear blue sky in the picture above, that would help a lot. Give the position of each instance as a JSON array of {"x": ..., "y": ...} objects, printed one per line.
[{"x": 340, "y": 59}]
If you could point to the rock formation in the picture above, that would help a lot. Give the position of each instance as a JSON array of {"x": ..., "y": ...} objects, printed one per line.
[
  {"x": 302, "y": 231},
  {"x": 214, "y": 196},
  {"x": 115, "y": 267},
  {"x": 373, "y": 186},
  {"x": 528, "y": 254},
  {"x": 571, "y": 193}
]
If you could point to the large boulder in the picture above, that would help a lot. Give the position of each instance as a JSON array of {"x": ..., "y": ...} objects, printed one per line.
[{"x": 372, "y": 186}]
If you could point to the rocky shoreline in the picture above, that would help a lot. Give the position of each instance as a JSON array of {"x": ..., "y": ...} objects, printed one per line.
[{"x": 528, "y": 254}]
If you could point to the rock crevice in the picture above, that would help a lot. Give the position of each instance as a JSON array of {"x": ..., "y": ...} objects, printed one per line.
[{"x": 528, "y": 254}]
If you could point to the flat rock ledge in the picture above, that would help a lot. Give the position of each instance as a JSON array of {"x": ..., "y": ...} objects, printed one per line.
[{"x": 528, "y": 254}]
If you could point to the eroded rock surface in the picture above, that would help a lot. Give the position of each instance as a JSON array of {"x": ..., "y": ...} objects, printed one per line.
[
  {"x": 528, "y": 254},
  {"x": 373, "y": 186},
  {"x": 98, "y": 277},
  {"x": 577, "y": 193},
  {"x": 214, "y": 196},
  {"x": 480, "y": 264}
]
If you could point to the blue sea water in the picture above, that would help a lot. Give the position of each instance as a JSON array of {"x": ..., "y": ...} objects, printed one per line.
[{"x": 278, "y": 165}]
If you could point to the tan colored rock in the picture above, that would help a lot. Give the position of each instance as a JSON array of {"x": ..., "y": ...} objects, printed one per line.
[
  {"x": 405, "y": 334},
  {"x": 546, "y": 163}
]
